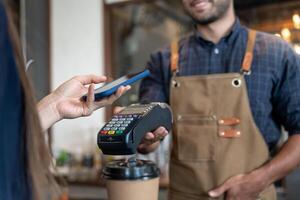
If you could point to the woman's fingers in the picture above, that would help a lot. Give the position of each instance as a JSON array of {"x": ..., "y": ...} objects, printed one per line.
[
  {"x": 121, "y": 90},
  {"x": 109, "y": 100},
  {"x": 90, "y": 98},
  {"x": 88, "y": 79}
]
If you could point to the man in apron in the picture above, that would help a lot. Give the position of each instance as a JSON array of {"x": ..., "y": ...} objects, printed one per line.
[{"x": 231, "y": 89}]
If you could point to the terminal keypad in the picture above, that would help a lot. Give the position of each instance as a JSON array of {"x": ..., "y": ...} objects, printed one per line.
[{"x": 118, "y": 124}]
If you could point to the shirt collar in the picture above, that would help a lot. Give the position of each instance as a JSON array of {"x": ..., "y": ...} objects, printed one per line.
[{"x": 229, "y": 38}]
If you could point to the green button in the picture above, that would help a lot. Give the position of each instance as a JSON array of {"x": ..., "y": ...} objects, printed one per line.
[{"x": 119, "y": 132}]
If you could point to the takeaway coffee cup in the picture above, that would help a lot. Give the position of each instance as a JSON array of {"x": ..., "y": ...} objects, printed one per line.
[{"x": 132, "y": 180}]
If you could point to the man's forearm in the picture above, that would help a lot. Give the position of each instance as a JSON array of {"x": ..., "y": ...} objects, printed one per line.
[{"x": 287, "y": 159}]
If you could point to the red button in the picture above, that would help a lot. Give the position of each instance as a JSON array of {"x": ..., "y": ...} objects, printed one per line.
[{"x": 104, "y": 132}]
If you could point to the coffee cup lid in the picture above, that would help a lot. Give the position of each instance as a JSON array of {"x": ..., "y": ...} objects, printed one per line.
[{"x": 130, "y": 170}]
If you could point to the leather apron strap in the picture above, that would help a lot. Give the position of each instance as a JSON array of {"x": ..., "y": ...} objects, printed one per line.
[
  {"x": 247, "y": 61},
  {"x": 248, "y": 58},
  {"x": 174, "y": 56}
]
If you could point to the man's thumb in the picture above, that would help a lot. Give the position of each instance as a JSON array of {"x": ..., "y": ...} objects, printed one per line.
[{"x": 220, "y": 190}]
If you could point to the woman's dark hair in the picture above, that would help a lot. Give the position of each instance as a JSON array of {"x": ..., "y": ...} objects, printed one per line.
[{"x": 38, "y": 158}]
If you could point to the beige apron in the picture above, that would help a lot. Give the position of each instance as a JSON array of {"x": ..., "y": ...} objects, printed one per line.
[{"x": 215, "y": 136}]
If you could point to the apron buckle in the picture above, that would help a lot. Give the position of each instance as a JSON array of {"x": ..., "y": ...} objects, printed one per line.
[
  {"x": 175, "y": 83},
  {"x": 246, "y": 72}
]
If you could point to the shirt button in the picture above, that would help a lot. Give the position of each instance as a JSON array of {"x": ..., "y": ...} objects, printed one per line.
[{"x": 216, "y": 50}]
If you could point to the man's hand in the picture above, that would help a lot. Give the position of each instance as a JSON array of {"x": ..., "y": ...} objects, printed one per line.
[
  {"x": 241, "y": 187},
  {"x": 151, "y": 140},
  {"x": 66, "y": 103}
]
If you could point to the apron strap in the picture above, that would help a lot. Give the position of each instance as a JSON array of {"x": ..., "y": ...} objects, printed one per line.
[
  {"x": 174, "y": 56},
  {"x": 247, "y": 62},
  {"x": 248, "y": 58}
]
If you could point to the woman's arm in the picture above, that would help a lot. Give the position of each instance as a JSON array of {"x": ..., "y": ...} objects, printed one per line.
[{"x": 65, "y": 102}]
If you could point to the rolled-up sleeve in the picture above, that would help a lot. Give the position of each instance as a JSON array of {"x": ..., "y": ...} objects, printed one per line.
[
  {"x": 287, "y": 93},
  {"x": 155, "y": 87}
]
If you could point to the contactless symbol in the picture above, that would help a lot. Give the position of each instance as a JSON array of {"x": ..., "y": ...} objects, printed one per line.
[{"x": 236, "y": 82}]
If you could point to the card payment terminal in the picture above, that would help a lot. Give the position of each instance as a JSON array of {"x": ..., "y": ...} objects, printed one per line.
[{"x": 123, "y": 133}]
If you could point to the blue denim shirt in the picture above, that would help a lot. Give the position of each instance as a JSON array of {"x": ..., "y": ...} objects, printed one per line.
[
  {"x": 273, "y": 86},
  {"x": 13, "y": 181}
]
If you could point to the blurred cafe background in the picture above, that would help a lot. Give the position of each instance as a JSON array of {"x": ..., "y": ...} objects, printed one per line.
[{"x": 63, "y": 38}]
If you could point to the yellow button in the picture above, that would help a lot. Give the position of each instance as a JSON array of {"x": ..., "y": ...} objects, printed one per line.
[{"x": 111, "y": 132}]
